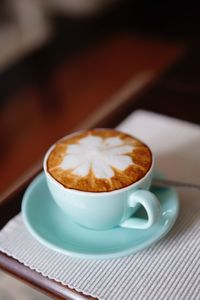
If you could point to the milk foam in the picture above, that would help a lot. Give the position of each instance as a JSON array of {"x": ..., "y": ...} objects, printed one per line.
[
  {"x": 93, "y": 153},
  {"x": 99, "y": 160}
]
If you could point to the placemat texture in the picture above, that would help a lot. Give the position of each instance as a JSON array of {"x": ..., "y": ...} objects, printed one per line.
[{"x": 169, "y": 269}]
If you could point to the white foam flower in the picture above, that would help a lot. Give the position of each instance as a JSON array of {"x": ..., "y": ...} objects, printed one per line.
[{"x": 97, "y": 154}]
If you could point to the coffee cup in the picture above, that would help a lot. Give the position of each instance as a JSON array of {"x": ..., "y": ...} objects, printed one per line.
[{"x": 99, "y": 178}]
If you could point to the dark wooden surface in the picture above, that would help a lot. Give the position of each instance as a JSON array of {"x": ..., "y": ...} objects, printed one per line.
[
  {"x": 90, "y": 87},
  {"x": 34, "y": 117}
]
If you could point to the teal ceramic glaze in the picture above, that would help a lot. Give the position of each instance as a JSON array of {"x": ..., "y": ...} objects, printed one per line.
[
  {"x": 52, "y": 227},
  {"x": 105, "y": 210}
]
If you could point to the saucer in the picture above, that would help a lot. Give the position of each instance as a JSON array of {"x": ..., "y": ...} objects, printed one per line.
[{"x": 50, "y": 226}]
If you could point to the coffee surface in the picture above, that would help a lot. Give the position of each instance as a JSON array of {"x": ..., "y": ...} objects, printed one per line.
[{"x": 99, "y": 160}]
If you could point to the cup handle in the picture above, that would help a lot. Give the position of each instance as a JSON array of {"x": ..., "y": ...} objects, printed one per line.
[{"x": 150, "y": 203}]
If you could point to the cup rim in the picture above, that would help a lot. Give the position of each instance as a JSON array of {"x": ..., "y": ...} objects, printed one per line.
[{"x": 59, "y": 185}]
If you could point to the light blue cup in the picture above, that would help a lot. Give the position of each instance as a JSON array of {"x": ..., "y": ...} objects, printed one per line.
[{"x": 105, "y": 210}]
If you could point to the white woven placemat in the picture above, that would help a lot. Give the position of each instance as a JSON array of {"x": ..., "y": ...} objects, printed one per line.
[{"x": 168, "y": 270}]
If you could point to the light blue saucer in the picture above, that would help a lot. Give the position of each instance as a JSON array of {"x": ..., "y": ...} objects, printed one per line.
[{"x": 47, "y": 223}]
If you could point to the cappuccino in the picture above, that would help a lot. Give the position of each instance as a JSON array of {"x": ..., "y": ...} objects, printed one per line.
[{"x": 99, "y": 160}]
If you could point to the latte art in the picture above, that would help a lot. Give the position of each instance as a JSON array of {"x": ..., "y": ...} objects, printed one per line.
[
  {"x": 99, "y": 160},
  {"x": 98, "y": 154}
]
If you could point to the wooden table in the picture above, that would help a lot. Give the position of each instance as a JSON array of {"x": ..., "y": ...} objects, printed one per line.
[{"x": 98, "y": 87}]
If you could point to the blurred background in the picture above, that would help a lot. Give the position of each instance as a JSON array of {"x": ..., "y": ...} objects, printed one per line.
[{"x": 69, "y": 64}]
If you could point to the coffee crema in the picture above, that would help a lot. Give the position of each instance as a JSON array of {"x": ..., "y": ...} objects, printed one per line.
[{"x": 99, "y": 160}]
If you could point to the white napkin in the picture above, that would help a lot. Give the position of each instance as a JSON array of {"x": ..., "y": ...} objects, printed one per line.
[
  {"x": 175, "y": 143},
  {"x": 168, "y": 270}
]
